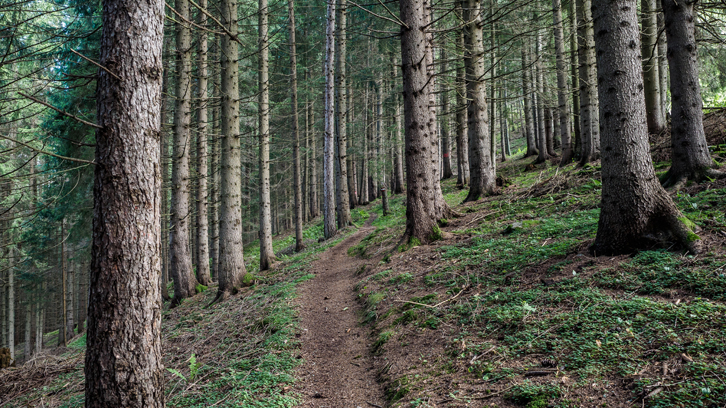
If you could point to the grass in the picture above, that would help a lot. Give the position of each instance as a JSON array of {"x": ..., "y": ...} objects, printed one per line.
[
  {"x": 241, "y": 352},
  {"x": 523, "y": 286}
]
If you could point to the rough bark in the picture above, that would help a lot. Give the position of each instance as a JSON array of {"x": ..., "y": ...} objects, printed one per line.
[
  {"x": 528, "y": 109},
  {"x": 214, "y": 170},
  {"x": 329, "y": 229},
  {"x": 445, "y": 143},
  {"x": 364, "y": 195},
  {"x": 62, "y": 330},
  {"x": 181, "y": 261},
  {"x": 231, "y": 261},
  {"x": 562, "y": 88},
  {"x": 651, "y": 77},
  {"x": 689, "y": 148},
  {"x": 398, "y": 173},
  {"x": 164, "y": 159},
  {"x": 425, "y": 204},
  {"x": 543, "y": 139},
  {"x": 575, "y": 81},
  {"x": 589, "y": 119},
  {"x": 267, "y": 255},
  {"x": 352, "y": 184},
  {"x": 343, "y": 206},
  {"x": 481, "y": 162},
  {"x": 314, "y": 206},
  {"x": 634, "y": 205},
  {"x": 297, "y": 181},
  {"x": 462, "y": 141},
  {"x": 662, "y": 63},
  {"x": 123, "y": 365},
  {"x": 70, "y": 301},
  {"x": 203, "y": 274}
]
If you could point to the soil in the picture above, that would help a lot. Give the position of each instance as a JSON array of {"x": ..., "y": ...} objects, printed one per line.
[{"x": 339, "y": 369}]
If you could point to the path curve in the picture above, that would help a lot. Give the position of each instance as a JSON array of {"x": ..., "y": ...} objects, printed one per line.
[{"x": 338, "y": 370}]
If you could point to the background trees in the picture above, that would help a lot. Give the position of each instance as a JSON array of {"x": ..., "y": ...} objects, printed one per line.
[{"x": 492, "y": 72}]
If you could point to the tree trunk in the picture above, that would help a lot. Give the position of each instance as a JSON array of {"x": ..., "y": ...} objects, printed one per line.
[
  {"x": 543, "y": 144},
  {"x": 425, "y": 204},
  {"x": 689, "y": 148},
  {"x": 651, "y": 78},
  {"x": 589, "y": 121},
  {"x": 481, "y": 162},
  {"x": 164, "y": 158},
  {"x": 399, "y": 173},
  {"x": 203, "y": 275},
  {"x": 528, "y": 109},
  {"x": 314, "y": 207},
  {"x": 445, "y": 143},
  {"x": 70, "y": 283},
  {"x": 574, "y": 78},
  {"x": 215, "y": 170},
  {"x": 62, "y": 329},
  {"x": 364, "y": 196},
  {"x": 662, "y": 63},
  {"x": 297, "y": 183},
  {"x": 267, "y": 255},
  {"x": 352, "y": 184},
  {"x": 634, "y": 206},
  {"x": 28, "y": 318},
  {"x": 11, "y": 297},
  {"x": 329, "y": 229},
  {"x": 181, "y": 262},
  {"x": 344, "y": 219},
  {"x": 123, "y": 365},
  {"x": 231, "y": 261},
  {"x": 462, "y": 141},
  {"x": 562, "y": 88}
]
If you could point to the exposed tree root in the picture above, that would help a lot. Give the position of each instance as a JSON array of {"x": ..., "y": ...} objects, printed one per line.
[{"x": 676, "y": 181}]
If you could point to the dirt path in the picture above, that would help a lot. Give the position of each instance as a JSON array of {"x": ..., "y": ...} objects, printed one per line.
[{"x": 338, "y": 370}]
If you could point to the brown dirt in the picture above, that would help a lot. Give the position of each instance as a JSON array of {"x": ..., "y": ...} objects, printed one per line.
[{"x": 338, "y": 371}]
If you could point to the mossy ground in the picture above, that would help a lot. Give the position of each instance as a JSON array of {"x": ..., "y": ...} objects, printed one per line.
[{"x": 460, "y": 322}]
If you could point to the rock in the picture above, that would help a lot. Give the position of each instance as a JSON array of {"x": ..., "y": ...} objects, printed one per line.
[{"x": 513, "y": 227}]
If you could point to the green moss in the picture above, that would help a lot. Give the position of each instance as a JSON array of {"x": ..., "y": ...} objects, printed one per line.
[
  {"x": 688, "y": 223},
  {"x": 200, "y": 288},
  {"x": 436, "y": 233},
  {"x": 248, "y": 279}
]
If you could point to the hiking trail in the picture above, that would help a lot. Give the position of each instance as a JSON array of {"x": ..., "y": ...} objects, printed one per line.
[{"x": 338, "y": 371}]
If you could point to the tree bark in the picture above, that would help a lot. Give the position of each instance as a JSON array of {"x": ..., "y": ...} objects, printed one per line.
[
  {"x": 662, "y": 63},
  {"x": 364, "y": 196},
  {"x": 329, "y": 229},
  {"x": 543, "y": 142},
  {"x": 267, "y": 255},
  {"x": 689, "y": 148},
  {"x": 575, "y": 82},
  {"x": 462, "y": 141},
  {"x": 398, "y": 171},
  {"x": 62, "y": 329},
  {"x": 425, "y": 204},
  {"x": 123, "y": 366},
  {"x": 352, "y": 184},
  {"x": 481, "y": 162},
  {"x": 297, "y": 182},
  {"x": 70, "y": 280},
  {"x": 181, "y": 261},
  {"x": 562, "y": 88},
  {"x": 343, "y": 206},
  {"x": 445, "y": 143},
  {"x": 203, "y": 275},
  {"x": 231, "y": 261},
  {"x": 215, "y": 170},
  {"x": 651, "y": 77},
  {"x": 314, "y": 206},
  {"x": 634, "y": 205},
  {"x": 589, "y": 120},
  {"x": 528, "y": 108}
]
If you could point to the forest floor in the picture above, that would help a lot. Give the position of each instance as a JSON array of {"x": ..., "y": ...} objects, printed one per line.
[{"x": 508, "y": 309}]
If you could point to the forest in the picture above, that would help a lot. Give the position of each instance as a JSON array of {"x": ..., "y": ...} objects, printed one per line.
[{"x": 381, "y": 203}]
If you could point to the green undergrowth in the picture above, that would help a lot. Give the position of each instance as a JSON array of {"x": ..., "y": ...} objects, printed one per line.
[
  {"x": 521, "y": 288},
  {"x": 240, "y": 352}
]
